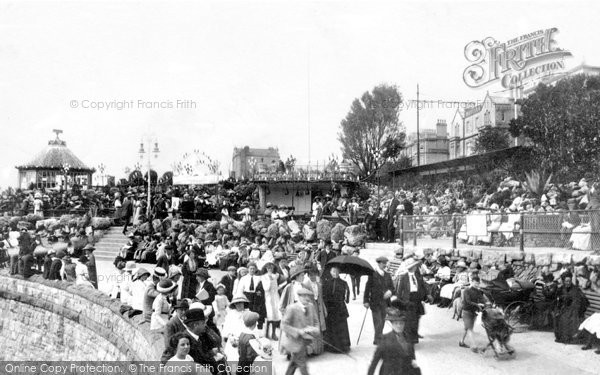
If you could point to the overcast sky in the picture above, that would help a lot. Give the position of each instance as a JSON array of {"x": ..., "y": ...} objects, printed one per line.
[{"x": 258, "y": 72}]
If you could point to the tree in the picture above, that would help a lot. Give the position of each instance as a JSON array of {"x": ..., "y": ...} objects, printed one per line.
[
  {"x": 561, "y": 123},
  {"x": 491, "y": 138},
  {"x": 371, "y": 133}
]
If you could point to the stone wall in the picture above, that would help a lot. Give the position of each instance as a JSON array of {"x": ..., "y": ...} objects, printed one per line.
[{"x": 55, "y": 320}]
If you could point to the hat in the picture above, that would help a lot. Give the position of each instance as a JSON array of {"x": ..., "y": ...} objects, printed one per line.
[
  {"x": 250, "y": 318},
  {"x": 61, "y": 254},
  {"x": 262, "y": 347},
  {"x": 140, "y": 272},
  {"x": 194, "y": 315},
  {"x": 181, "y": 304},
  {"x": 174, "y": 271},
  {"x": 295, "y": 271},
  {"x": 382, "y": 260},
  {"x": 159, "y": 272},
  {"x": 166, "y": 286},
  {"x": 461, "y": 264},
  {"x": 305, "y": 292},
  {"x": 203, "y": 272},
  {"x": 239, "y": 299},
  {"x": 395, "y": 315},
  {"x": 220, "y": 286},
  {"x": 83, "y": 259},
  {"x": 269, "y": 204},
  {"x": 130, "y": 266},
  {"x": 411, "y": 262},
  {"x": 231, "y": 268}
]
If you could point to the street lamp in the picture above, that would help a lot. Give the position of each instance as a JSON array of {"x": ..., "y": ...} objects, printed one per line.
[
  {"x": 148, "y": 153},
  {"x": 101, "y": 168}
]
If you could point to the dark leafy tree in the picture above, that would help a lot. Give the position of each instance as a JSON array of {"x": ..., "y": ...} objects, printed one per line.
[
  {"x": 371, "y": 133},
  {"x": 491, "y": 138},
  {"x": 561, "y": 124}
]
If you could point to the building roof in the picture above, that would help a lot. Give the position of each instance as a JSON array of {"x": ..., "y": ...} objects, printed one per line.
[
  {"x": 55, "y": 156},
  {"x": 258, "y": 152}
]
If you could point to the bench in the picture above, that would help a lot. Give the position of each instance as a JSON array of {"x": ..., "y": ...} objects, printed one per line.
[{"x": 594, "y": 299}]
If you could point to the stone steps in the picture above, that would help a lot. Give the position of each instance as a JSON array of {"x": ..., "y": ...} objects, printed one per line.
[{"x": 110, "y": 244}]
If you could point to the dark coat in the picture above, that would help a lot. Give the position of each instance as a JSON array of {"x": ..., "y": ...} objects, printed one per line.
[
  {"x": 126, "y": 209},
  {"x": 406, "y": 299},
  {"x": 376, "y": 287},
  {"x": 55, "y": 269},
  {"x": 200, "y": 350},
  {"x": 323, "y": 257},
  {"x": 173, "y": 326},
  {"x": 397, "y": 355},
  {"x": 93, "y": 274},
  {"x": 228, "y": 281},
  {"x": 190, "y": 283},
  {"x": 392, "y": 209}
]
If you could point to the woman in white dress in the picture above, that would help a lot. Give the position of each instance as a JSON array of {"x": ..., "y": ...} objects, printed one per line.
[
  {"x": 81, "y": 272},
  {"x": 161, "y": 306},
  {"x": 270, "y": 282},
  {"x": 233, "y": 327},
  {"x": 461, "y": 279}
]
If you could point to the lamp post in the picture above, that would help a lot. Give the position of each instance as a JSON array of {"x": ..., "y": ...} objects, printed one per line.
[
  {"x": 101, "y": 168},
  {"x": 148, "y": 153}
]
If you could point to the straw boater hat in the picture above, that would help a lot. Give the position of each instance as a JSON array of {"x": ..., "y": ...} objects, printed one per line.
[
  {"x": 159, "y": 272},
  {"x": 239, "y": 299},
  {"x": 166, "y": 286},
  {"x": 130, "y": 266},
  {"x": 461, "y": 264},
  {"x": 411, "y": 262}
]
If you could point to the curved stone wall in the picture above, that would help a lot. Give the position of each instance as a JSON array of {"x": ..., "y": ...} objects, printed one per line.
[{"x": 53, "y": 320}]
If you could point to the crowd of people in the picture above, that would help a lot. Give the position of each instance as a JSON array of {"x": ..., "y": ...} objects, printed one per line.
[{"x": 280, "y": 287}]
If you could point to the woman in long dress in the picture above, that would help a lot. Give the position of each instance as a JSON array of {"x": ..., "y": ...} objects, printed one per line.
[
  {"x": 270, "y": 284},
  {"x": 570, "y": 309},
  {"x": 233, "y": 327},
  {"x": 336, "y": 295},
  {"x": 313, "y": 284},
  {"x": 188, "y": 270}
]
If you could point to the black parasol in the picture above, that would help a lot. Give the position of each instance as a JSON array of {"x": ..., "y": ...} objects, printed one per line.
[{"x": 351, "y": 265}]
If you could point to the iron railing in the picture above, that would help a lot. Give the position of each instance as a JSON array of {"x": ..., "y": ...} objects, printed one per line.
[{"x": 577, "y": 230}]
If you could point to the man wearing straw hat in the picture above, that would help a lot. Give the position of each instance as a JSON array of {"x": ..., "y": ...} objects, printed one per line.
[{"x": 409, "y": 295}]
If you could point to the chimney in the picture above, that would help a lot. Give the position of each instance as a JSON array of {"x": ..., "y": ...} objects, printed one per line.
[{"x": 441, "y": 129}]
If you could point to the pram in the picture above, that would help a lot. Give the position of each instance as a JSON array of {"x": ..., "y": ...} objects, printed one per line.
[
  {"x": 498, "y": 332},
  {"x": 515, "y": 303}
]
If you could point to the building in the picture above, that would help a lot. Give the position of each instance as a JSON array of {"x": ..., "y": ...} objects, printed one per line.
[
  {"x": 54, "y": 167},
  {"x": 432, "y": 142},
  {"x": 467, "y": 122},
  {"x": 247, "y": 161}
]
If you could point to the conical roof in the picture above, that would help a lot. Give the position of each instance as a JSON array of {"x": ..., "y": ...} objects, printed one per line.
[{"x": 56, "y": 156}]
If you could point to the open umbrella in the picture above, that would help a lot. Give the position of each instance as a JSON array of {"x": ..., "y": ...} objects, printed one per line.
[{"x": 351, "y": 265}]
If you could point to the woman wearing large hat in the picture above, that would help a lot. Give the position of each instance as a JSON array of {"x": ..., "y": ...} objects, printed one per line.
[
  {"x": 161, "y": 305},
  {"x": 290, "y": 292},
  {"x": 234, "y": 325},
  {"x": 460, "y": 280}
]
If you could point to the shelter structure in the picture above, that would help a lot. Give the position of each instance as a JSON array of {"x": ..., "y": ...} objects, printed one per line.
[{"x": 56, "y": 166}]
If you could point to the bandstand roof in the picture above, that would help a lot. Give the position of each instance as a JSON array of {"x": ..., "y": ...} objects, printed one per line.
[{"x": 56, "y": 156}]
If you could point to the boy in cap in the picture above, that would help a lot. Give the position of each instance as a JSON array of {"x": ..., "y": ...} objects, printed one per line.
[
  {"x": 300, "y": 325},
  {"x": 395, "y": 351}
]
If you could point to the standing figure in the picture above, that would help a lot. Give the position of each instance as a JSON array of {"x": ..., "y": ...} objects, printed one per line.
[
  {"x": 410, "y": 292},
  {"x": 395, "y": 350},
  {"x": 299, "y": 326},
  {"x": 570, "y": 309},
  {"x": 377, "y": 294},
  {"x": 336, "y": 295},
  {"x": 391, "y": 217},
  {"x": 313, "y": 284},
  {"x": 270, "y": 282}
]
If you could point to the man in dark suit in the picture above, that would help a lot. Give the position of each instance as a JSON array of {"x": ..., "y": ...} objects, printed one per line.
[
  {"x": 206, "y": 293},
  {"x": 228, "y": 280},
  {"x": 391, "y": 217},
  {"x": 395, "y": 350},
  {"x": 126, "y": 211},
  {"x": 377, "y": 293},
  {"x": 409, "y": 294},
  {"x": 176, "y": 323},
  {"x": 325, "y": 256}
]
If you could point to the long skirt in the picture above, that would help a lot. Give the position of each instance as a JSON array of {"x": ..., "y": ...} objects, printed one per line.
[
  {"x": 337, "y": 336},
  {"x": 566, "y": 324}
]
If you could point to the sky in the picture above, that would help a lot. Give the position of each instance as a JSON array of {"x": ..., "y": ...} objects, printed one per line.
[{"x": 262, "y": 74}]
